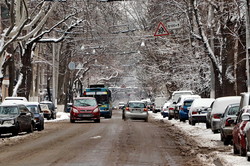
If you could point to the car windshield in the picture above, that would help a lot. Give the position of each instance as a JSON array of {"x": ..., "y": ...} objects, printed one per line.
[
  {"x": 137, "y": 105},
  {"x": 44, "y": 107},
  {"x": 33, "y": 108},
  {"x": 188, "y": 103},
  {"x": 8, "y": 110},
  {"x": 84, "y": 102}
]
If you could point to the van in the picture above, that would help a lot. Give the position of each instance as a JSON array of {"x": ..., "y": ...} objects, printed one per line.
[
  {"x": 177, "y": 94},
  {"x": 159, "y": 102},
  {"x": 218, "y": 108},
  {"x": 245, "y": 99}
]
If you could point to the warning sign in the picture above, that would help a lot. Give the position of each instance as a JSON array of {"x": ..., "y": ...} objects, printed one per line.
[{"x": 161, "y": 30}]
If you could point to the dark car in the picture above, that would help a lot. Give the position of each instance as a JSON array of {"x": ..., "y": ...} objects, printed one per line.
[
  {"x": 184, "y": 109},
  {"x": 239, "y": 134},
  {"x": 84, "y": 108},
  {"x": 35, "y": 108},
  {"x": 226, "y": 127},
  {"x": 52, "y": 110},
  {"x": 15, "y": 119}
]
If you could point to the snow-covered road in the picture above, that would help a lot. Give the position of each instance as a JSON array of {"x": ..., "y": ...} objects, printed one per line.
[{"x": 207, "y": 139}]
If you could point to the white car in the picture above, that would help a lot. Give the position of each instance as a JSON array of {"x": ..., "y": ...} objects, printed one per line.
[
  {"x": 198, "y": 110},
  {"x": 14, "y": 100},
  {"x": 136, "y": 110},
  {"x": 218, "y": 108}
]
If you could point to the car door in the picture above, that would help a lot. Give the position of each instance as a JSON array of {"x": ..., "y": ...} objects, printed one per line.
[
  {"x": 238, "y": 132},
  {"x": 24, "y": 118}
]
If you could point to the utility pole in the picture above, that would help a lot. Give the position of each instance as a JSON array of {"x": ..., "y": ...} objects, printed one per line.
[{"x": 247, "y": 42}]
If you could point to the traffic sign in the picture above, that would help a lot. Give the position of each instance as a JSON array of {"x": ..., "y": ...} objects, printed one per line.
[
  {"x": 161, "y": 30},
  {"x": 173, "y": 25},
  {"x": 72, "y": 66}
]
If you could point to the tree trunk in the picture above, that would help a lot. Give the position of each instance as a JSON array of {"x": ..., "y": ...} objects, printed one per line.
[{"x": 26, "y": 70}]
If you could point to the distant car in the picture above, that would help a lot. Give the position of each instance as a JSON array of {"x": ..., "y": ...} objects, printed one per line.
[
  {"x": 218, "y": 108},
  {"x": 247, "y": 131},
  {"x": 184, "y": 109},
  {"x": 35, "y": 108},
  {"x": 158, "y": 104},
  {"x": 84, "y": 108},
  {"x": 198, "y": 110},
  {"x": 180, "y": 101},
  {"x": 14, "y": 100},
  {"x": 46, "y": 111},
  {"x": 136, "y": 110},
  {"x": 52, "y": 109},
  {"x": 121, "y": 105},
  {"x": 239, "y": 131},
  {"x": 15, "y": 118},
  {"x": 164, "y": 111},
  {"x": 226, "y": 120}
]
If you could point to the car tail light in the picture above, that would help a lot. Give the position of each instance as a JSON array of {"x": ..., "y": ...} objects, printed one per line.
[
  {"x": 227, "y": 123},
  {"x": 216, "y": 116},
  {"x": 96, "y": 110},
  {"x": 194, "y": 112},
  {"x": 145, "y": 109},
  {"x": 181, "y": 108},
  {"x": 127, "y": 109},
  {"x": 171, "y": 108}
]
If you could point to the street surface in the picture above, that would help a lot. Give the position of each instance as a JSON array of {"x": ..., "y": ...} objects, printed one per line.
[{"x": 113, "y": 142}]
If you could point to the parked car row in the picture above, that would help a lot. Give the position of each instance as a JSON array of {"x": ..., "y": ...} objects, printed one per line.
[
  {"x": 229, "y": 116},
  {"x": 18, "y": 115}
]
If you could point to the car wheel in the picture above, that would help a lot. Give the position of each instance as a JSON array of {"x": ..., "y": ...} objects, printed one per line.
[
  {"x": 189, "y": 122},
  {"x": 236, "y": 151},
  {"x": 208, "y": 125},
  {"x": 215, "y": 131},
  {"x": 97, "y": 120},
  {"x": 40, "y": 127},
  {"x": 192, "y": 123},
  {"x": 169, "y": 117},
  {"x": 243, "y": 151},
  {"x": 146, "y": 120},
  {"x": 31, "y": 128},
  {"x": 72, "y": 121},
  {"x": 226, "y": 141}
]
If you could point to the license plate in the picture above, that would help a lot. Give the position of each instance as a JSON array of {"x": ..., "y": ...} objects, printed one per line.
[{"x": 85, "y": 115}]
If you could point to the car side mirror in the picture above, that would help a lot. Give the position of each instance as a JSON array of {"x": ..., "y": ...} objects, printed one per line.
[
  {"x": 174, "y": 103},
  {"x": 23, "y": 113},
  {"x": 245, "y": 117},
  {"x": 231, "y": 121},
  {"x": 99, "y": 105},
  {"x": 70, "y": 104}
]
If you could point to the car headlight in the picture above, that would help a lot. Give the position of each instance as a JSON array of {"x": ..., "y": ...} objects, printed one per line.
[
  {"x": 96, "y": 110},
  {"x": 75, "y": 110},
  {"x": 9, "y": 122}
]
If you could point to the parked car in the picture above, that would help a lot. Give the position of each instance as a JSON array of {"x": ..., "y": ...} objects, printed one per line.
[
  {"x": 158, "y": 104},
  {"x": 226, "y": 127},
  {"x": 184, "y": 109},
  {"x": 164, "y": 111},
  {"x": 14, "y": 100},
  {"x": 198, "y": 110},
  {"x": 52, "y": 108},
  {"x": 218, "y": 108},
  {"x": 35, "y": 108},
  {"x": 247, "y": 131},
  {"x": 180, "y": 101},
  {"x": 121, "y": 105},
  {"x": 136, "y": 110},
  {"x": 15, "y": 118},
  {"x": 84, "y": 108},
  {"x": 239, "y": 131},
  {"x": 174, "y": 97},
  {"x": 245, "y": 99}
]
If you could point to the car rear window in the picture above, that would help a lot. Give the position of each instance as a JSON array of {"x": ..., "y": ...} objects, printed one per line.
[{"x": 137, "y": 105}]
